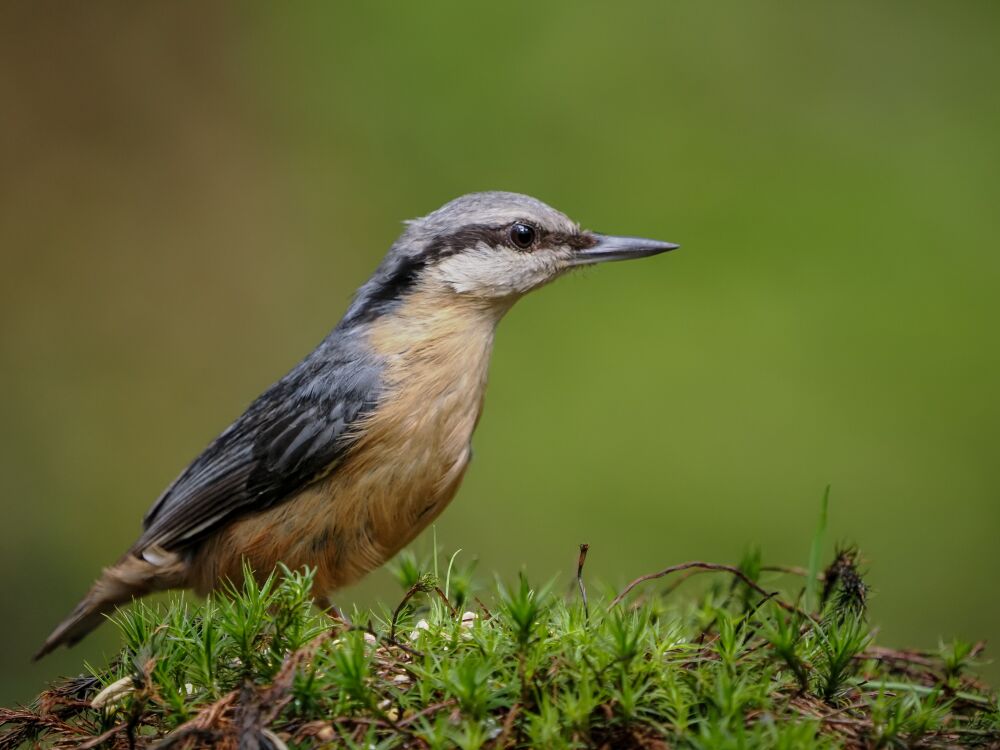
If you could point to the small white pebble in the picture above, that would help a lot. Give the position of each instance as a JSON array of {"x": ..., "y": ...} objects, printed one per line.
[
  {"x": 468, "y": 618},
  {"x": 421, "y": 625},
  {"x": 189, "y": 688},
  {"x": 493, "y": 728},
  {"x": 369, "y": 638},
  {"x": 326, "y": 734},
  {"x": 401, "y": 679},
  {"x": 112, "y": 692}
]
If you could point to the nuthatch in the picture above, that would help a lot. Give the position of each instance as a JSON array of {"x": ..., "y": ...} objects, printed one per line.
[{"x": 343, "y": 461}]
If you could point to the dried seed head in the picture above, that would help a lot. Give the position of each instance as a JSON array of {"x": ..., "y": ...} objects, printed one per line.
[{"x": 843, "y": 579}]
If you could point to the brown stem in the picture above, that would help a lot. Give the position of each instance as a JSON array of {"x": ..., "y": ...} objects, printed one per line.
[
  {"x": 698, "y": 565},
  {"x": 584, "y": 548}
]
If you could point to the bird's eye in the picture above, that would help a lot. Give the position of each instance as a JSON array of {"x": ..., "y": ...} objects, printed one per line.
[{"x": 522, "y": 235}]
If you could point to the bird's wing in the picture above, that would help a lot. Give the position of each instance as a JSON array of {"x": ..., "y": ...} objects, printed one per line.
[{"x": 294, "y": 433}]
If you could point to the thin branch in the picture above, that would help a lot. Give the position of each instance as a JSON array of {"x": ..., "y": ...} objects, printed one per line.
[
  {"x": 711, "y": 566},
  {"x": 584, "y": 548},
  {"x": 508, "y": 723},
  {"x": 792, "y": 570},
  {"x": 444, "y": 598},
  {"x": 413, "y": 591}
]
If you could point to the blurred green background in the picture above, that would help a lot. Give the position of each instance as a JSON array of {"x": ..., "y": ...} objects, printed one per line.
[{"x": 190, "y": 193}]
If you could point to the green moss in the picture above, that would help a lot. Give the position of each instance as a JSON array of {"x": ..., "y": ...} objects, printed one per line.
[{"x": 730, "y": 667}]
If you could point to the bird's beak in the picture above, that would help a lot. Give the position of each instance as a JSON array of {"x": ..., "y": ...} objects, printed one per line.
[{"x": 607, "y": 247}]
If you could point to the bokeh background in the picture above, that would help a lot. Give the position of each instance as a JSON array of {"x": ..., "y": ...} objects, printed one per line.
[{"x": 191, "y": 192}]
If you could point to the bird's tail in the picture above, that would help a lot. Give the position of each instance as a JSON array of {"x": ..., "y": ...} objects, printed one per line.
[{"x": 129, "y": 578}]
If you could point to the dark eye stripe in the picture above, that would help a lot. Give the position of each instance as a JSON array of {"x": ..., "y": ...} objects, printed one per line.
[
  {"x": 395, "y": 279},
  {"x": 468, "y": 236},
  {"x": 577, "y": 240},
  {"x": 471, "y": 235}
]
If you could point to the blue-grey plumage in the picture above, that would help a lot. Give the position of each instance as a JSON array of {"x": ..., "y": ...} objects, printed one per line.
[{"x": 350, "y": 455}]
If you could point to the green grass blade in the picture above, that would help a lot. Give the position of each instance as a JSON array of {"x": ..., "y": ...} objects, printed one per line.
[{"x": 816, "y": 553}]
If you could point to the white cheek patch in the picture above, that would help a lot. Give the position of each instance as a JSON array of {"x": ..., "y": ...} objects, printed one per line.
[{"x": 500, "y": 272}]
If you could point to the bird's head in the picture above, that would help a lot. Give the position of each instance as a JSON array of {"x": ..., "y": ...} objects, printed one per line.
[{"x": 490, "y": 248}]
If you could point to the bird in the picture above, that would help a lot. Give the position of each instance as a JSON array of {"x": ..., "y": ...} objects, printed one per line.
[{"x": 343, "y": 461}]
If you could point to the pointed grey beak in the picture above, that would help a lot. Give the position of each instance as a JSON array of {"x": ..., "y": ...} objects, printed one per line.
[{"x": 608, "y": 248}]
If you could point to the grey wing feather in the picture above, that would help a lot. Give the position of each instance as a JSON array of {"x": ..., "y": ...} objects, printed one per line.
[{"x": 295, "y": 432}]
